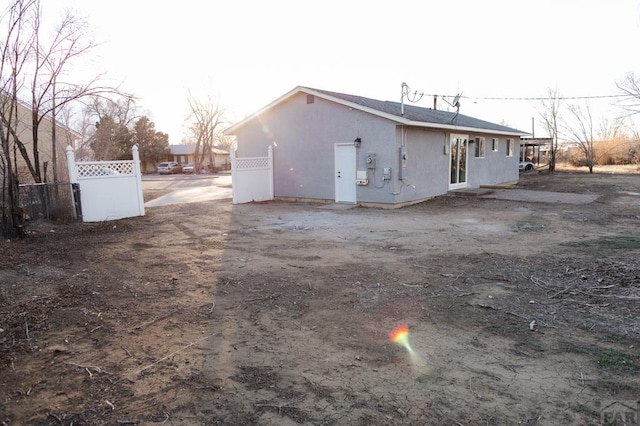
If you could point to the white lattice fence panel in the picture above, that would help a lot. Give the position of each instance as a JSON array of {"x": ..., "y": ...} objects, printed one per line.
[
  {"x": 104, "y": 168},
  {"x": 248, "y": 163},
  {"x": 252, "y": 178}
]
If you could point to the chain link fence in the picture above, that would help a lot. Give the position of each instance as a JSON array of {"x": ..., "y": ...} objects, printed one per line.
[{"x": 44, "y": 201}]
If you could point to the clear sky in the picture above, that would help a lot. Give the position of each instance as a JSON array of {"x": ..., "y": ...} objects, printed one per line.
[{"x": 247, "y": 53}]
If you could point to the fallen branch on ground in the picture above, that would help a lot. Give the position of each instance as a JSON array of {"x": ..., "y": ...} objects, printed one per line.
[
  {"x": 171, "y": 354},
  {"x": 88, "y": 367},
  {"x": 278, "y": 406}
]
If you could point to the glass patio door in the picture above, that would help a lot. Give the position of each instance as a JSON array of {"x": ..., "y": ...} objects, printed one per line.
[{"x": 458, "y": 165}]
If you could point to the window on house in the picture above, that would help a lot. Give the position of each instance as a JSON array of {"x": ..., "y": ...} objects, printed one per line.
[
  {"x": 509, "y": 147},
  {"x": 479, "y": 147},
  {"x": 311, "y": 99},
  {"x": 496, "y": 143}
]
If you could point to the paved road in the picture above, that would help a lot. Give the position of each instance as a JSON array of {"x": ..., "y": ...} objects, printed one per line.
[{"x": 187, "y": 188}]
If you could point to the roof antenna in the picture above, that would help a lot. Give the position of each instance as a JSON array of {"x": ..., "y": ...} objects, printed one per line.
[{"x": 404, "y": 90}]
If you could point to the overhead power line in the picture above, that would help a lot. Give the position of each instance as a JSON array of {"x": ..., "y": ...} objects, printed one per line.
[{"x": 541, "y": 98}]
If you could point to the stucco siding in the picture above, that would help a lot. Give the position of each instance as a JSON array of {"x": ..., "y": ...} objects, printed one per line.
[
  {"x": 304, "y": 136},
  {"x": 496, "y": 167},
  {"x": 427, "y": 171}
]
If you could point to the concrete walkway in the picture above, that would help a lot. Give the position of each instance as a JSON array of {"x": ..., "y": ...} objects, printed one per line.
[{"x": 540, "y": 196}]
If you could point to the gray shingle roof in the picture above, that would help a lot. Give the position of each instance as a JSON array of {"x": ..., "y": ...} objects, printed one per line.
[
  {"x": 419, "y": 114},
  {"x": 413, "y": 115},
  {"x": 189, "y": 149}
]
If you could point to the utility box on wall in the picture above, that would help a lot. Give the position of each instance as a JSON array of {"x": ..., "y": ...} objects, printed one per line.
[
  {"x": 361, "y": 178},
  {"x": 403, "y": 163},
  {"x": 386, "y": 173},
  {"x": 371, "y": 160}
]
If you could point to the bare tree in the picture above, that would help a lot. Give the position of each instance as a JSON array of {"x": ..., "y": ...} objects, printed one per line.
[
  {"x": 13, "y": 55},
  {"x": 32, "y": 67},
  {"x": 228, "y": 143},
  {"x": 550, "y": 115},
  {"x": 206, "y": 119},
  {"x": 630, "y": 88},
  {"x": 111, "y": 137},
  {"x": 49, "y": 59},
  {"x": 580, "y": 130}
]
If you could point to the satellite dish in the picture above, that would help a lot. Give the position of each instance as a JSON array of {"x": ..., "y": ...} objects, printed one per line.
[{"x": 456, "y": 100}]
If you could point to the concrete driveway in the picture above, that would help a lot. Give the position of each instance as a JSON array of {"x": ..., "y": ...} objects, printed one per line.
[
  {"x": 197, "y": 188},
  {"x": 541, "y": 196},
  {"x": 188, "y": 188}
]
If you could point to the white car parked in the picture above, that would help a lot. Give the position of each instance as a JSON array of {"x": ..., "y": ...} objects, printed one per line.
[
  {"x": 169, "y": 168},
  {"x": 526, "y": 166}
]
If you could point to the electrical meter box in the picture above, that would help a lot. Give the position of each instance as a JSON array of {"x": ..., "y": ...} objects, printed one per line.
[
  {"x": 371, "y": 160},
  {"x": 403, "y": 163},
  {"x": 386, "y": 173}
]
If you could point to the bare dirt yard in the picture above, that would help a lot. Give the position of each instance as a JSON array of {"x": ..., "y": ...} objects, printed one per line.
[{"x": 519, "y": 312}]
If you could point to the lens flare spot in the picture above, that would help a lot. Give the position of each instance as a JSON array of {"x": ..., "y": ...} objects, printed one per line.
[{"x": 400, "y": 335}]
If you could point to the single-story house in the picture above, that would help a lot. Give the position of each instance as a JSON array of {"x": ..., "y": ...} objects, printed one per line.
[
  {"x": 337, "y": 147},
  {"x": 184, "y": 154}
]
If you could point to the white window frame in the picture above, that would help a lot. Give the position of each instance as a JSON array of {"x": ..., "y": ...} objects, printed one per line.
[
  {"x": 509, "y": 147},
  {"x": 496, "y": 144}
]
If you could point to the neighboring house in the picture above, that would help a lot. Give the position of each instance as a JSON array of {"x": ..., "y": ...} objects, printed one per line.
[
  {"x": 345, "y": 148},
  {"x": 184, "y": 154},
  {"x": 64, "y": 138}
]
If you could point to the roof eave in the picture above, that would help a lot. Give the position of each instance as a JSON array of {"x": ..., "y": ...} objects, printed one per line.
[{"x": 467, "y": 129}]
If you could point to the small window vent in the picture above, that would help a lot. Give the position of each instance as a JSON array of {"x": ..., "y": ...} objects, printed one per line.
[{"x": 310, "y": 99}]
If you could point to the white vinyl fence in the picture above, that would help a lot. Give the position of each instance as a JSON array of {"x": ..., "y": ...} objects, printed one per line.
[
  {"x": 252, "y": 178},
  {"x": 109, "y": 190}
]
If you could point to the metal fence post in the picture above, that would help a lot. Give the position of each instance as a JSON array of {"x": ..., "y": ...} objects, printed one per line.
[
  {"x": 75, "y": 196},
  {"x": 73, "y": 179},
  {"x": 138, "y": 174}
]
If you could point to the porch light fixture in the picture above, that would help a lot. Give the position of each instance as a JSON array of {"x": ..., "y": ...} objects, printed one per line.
[{"x": 357, "y": 142}]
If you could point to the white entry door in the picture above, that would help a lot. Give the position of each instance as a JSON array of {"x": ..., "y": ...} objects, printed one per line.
[{"x": 345, "y": 173}]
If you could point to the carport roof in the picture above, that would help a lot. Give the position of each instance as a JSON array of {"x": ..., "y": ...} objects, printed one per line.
[{"x": 413, "y": 115}]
